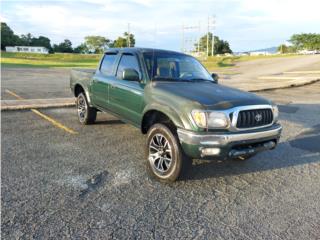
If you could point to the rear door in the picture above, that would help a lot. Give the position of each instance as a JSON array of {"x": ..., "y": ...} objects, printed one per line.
[
  {"x": 126, "y": 97},
  {"x": 100, "y": 81}
]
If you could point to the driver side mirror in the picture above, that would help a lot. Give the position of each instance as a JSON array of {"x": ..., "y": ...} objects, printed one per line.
[
  {"x": 215, "y": 77},
  {"x": 130, "y": 74}
]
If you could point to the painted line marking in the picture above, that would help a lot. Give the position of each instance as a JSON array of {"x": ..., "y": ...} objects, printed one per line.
[
  {"x": 44, "y": 116},
  {"x": 303, "y": 72},
  {"x": 54, "y": 122},
  {"x": 14, "y": 94}
]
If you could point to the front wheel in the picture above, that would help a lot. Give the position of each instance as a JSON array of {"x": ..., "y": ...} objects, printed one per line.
[
  {"x": 166, "y": 159},
  {"x": 86, "y": 114}
]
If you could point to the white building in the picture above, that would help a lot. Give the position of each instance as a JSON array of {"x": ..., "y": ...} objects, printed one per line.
[
  {"x": 306, "y": 52},
  {"x": 27, "y": 49},
  {"x": 260, "y": 53}
]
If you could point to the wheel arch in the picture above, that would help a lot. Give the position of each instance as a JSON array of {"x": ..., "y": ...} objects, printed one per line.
[
  {"x": 160, "y": 115},
  {"x": 78, "y": 88}
]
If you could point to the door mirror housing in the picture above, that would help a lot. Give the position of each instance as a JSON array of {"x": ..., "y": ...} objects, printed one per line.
[
  {"x": 215, "y": 77},
  {"x": 130, "y": 74}
]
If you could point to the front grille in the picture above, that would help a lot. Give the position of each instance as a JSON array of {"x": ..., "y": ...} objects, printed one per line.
[{"x": 254, "y": 118}]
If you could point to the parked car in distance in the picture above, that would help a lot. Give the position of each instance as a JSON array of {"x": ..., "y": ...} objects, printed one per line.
[{"x": 181, "y": 108}]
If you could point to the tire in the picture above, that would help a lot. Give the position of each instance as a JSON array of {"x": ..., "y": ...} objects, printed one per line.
[
  {"x": 86, "y": 114},
  {"x": 165, "y": 159}
]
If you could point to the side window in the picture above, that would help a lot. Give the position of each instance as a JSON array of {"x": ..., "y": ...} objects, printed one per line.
[
  {"x": 127, "y": 61},
  {"x": 107, "y": 64}
]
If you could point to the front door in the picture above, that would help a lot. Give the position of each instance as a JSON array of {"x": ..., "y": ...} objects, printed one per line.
[{"x": 126, "y": 97}]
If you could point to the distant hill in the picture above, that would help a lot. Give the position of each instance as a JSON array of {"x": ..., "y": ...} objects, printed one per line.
[{"x": 270, "y": 50}]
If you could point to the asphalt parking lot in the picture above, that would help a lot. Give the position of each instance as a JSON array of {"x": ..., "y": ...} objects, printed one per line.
[{"x": 94, "y": 185}]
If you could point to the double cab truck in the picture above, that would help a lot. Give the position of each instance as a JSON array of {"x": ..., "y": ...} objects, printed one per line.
[{"x": 179, "y": 105}]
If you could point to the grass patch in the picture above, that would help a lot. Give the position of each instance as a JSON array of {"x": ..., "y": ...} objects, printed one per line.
[
  {"x": 71, "y": 60},
  {"x": 227, "y": 63},
  {"x": 57, "y": 60}
]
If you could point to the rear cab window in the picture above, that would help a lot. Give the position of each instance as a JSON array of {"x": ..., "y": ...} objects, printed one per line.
[{"x": 108, "y": 63}]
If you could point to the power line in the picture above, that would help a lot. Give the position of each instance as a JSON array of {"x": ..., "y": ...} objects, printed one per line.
[
  {"x": 191, "y": 34},
  {"x": 187, "y": 40}
]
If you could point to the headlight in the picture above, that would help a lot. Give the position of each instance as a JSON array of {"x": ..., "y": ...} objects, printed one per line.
[
  {"x": 210, "y": 119},
  {"x": 200, "y": 118},
  {"x": 217, "y": 120},
  {"x": 275, "y": 111}
]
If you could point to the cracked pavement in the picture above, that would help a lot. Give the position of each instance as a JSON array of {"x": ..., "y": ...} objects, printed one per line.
[{"x": 94, "y": 185}]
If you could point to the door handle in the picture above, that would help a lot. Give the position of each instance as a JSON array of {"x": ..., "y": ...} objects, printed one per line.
[{"x": 112, "y": 86}]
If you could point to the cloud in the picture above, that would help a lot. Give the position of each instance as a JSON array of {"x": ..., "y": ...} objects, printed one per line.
[{"x": 245, "y": 23}]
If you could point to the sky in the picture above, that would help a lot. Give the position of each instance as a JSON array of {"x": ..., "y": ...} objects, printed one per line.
[{"x": 245, "y": 24}]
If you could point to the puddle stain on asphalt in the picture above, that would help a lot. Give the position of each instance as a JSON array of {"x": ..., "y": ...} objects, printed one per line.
[
  {"x": 85, "y": 185},
  {"x": 288, "y": 108},
  {"x": 308, "y": 140},
  {"x": 93, "y": 183}
]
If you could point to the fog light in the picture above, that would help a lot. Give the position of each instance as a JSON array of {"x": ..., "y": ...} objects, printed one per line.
[{"x": 210, "y": 151}]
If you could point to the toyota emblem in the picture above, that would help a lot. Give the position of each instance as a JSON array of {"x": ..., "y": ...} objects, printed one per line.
[{"x": 258, "y": 117}]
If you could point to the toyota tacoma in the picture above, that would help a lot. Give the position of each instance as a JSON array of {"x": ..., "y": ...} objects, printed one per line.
[{"x": 179, "y": 105}]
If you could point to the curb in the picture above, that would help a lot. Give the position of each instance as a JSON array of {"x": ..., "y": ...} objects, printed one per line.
[
  {"x": 285, "y": 87},
  {"x": 11, "y": 105}
]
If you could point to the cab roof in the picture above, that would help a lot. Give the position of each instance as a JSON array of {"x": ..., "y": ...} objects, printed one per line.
[{"x": 139, "y": 50}]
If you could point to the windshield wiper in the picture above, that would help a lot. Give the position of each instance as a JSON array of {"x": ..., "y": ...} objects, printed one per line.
[
  {"x": 156, "y": 78},
  {"x": 200, "y": 80}
]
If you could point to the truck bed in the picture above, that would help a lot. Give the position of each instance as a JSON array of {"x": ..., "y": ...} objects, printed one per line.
[
  {"x": 81, "y": 77},
  {"x": 81, "y": 74}
]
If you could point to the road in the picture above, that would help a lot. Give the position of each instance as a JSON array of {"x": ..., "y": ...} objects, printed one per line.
[
  {"x": 57, "y": 185},
  {"x": 251, "y": 70},
  {"x": 35, "y": 83},
  {"x": 276, "y": 72}
]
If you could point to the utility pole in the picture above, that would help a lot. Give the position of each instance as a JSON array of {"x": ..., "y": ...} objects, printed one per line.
[
  {"x": 199, "y": 38},
  {"x": 213, "y": 29},
  {"x": 189, "y": 41},
  {"x": 182, "y": 40},
  {"x": 128, "y": 37},
  {"x": 211, "y": 26},
  {"x": 208, "y": 37}
]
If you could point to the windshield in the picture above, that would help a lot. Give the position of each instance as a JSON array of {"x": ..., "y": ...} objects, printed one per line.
[{"x": 167, "y": 66}]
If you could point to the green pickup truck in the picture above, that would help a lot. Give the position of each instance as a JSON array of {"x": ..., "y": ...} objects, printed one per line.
[{"x": 181, "y": 108}]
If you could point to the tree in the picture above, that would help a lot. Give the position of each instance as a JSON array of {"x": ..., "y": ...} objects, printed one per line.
[
  {"x": 8, "y": 38},
  {"x": 286, "y": 49},
  {"x": 220, "y": 46},
  {"x": 64, "y": 47},
  {"x": 82, "y": 48},
  {"x": 26, "y": 40},
  {"x": 124, "y": 41},
  {"x": 283, "y": 48},
  {"x": 307, "y": 41},
  {"x": 131, "y": 39},
  {"x": 42, "y": 42},
  {"x": 96, "y": 44},
  {"x": 120, "y": 42}
]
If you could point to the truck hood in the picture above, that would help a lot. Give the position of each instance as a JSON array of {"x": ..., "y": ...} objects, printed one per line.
[{"x": 210, "y": 95}]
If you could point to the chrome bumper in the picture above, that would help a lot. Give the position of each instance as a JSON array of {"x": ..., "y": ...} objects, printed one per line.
[{"x": 224, "y": 139}]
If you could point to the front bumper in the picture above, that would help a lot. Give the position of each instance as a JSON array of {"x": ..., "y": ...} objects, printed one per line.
[{"x": 194, "y": 143}]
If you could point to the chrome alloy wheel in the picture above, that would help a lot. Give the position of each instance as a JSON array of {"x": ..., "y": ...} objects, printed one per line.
[
  {"x": 160, "y": 153},
  {"x": 82, "y": 108}
]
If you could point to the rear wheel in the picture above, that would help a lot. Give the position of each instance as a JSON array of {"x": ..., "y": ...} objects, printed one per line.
[
  {"x": 166, "y": 159},
  {"x": 86, "y": 114}
]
